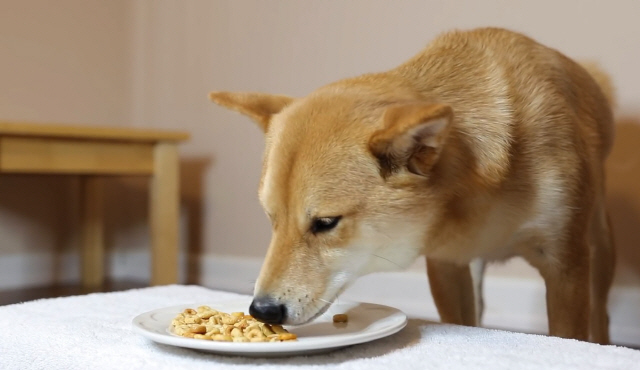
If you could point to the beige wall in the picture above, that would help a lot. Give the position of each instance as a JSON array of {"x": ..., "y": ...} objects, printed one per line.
[
  {"x": 65, "y": 61},
  {"x": 151, "y": 63}
]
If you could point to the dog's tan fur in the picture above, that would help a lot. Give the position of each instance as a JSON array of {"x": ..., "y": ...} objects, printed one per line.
[{"x": 486, "y": 145}]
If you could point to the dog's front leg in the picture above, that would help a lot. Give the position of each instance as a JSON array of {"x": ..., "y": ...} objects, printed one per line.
[{"x": 453, "y": 292}]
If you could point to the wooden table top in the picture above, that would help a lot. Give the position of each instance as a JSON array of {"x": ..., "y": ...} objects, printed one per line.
[{"x": 88, "y": 132}]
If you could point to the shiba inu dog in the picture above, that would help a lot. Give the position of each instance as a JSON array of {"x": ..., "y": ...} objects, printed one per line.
[{"x": 484, "y": 146}]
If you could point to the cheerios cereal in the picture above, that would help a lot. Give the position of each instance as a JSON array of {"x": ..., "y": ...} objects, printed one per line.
[{"x": 209, "y": 324}]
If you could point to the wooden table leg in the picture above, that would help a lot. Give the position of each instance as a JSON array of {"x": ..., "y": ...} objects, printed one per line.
[
  {"x": 164, "y": 214},
  {"x": 92, "y": 232}
]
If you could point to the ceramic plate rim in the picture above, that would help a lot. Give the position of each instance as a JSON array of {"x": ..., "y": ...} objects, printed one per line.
[{"x": 397, "y": 321}]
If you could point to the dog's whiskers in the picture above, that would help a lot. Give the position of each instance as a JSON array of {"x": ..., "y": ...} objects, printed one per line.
[
  {"x": 251, "y": 282},
  {"x": 386, "y": 259}
]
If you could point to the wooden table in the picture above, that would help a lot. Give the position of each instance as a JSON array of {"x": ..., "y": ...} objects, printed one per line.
[{"x": 93, "y": 152}]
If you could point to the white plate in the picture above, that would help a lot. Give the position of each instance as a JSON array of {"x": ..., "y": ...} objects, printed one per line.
[{"x": 367, "y": 322}]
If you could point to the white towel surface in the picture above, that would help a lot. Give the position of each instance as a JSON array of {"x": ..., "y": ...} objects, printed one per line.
[{"x": 94, "y": 332}]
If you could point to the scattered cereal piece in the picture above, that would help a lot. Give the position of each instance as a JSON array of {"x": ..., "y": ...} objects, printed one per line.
[{"x": 341, "y": 318}]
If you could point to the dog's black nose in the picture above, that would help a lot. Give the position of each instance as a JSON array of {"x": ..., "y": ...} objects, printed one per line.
[{"x": 267, "y": 311}]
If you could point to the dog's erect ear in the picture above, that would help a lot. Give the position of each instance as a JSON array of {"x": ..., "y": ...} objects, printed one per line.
[
  {"x": 412, "y": 137},
  {"x": 257, "y": 106}
]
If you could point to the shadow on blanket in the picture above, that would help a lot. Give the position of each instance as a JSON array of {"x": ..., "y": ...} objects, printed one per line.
[{"x": 407, "y": 337}]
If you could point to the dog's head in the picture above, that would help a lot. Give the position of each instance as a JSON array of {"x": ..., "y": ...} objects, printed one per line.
[{"x": 345, "y": 183}]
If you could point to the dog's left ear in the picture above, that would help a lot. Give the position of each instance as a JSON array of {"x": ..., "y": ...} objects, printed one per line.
[
  {"x": 412, "y": 137},
  {"x": 258, "y": 106}
]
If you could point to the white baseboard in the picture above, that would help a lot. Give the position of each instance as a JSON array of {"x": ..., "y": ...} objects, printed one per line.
[
  {"x": 32, "y": 269},
  {"x": 516, "y": 304},
  {"x": 41, "y": 268}
]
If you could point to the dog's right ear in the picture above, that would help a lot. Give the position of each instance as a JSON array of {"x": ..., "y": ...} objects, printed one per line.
[
  {"x": 257, "y": 106},
  {"x": 412, "y": 137}
]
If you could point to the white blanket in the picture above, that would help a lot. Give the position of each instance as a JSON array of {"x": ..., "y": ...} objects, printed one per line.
[{"x": 94, "y": 332}]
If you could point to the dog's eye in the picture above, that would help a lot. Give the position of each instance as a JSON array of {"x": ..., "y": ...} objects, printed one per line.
[{"x": 322, "y": 224}]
